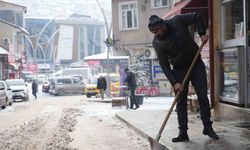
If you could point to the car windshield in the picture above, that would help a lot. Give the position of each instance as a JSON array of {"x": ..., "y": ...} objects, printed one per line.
[
  {"x": 93, "y": 81},
  {"x": 114, "y": 78},
  {"x": 15, "y": 82}
]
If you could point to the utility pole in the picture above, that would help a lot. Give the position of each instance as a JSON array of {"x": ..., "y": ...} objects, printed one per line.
[{"x": 108, "y": 43}]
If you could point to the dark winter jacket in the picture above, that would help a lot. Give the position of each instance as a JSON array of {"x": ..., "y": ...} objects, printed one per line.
[
  {"x": 101, "y": 83},
  {"x": 177, "y": 46},
  {"x": 130, "y": 79},
  {"x": 34, "y": 86}
]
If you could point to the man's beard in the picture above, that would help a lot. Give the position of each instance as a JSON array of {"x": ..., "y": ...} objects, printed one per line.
[{"x": 162, "y": 36}]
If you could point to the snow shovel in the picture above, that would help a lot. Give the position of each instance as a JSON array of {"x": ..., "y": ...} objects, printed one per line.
[{"x": 154, "y": 143}]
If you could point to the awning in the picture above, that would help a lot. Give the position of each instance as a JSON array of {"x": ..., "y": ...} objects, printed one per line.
[
  {"x": 15, "y": 66},
  {"x": 186, "y": 6},
  {"x": 3, "y": 51}
]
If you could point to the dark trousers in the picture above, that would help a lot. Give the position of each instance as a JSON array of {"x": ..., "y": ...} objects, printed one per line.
[
  {"x": 133, "y": 99},
  {"x": 34, "y": 93},
  {"x": 198, "y": 79}
]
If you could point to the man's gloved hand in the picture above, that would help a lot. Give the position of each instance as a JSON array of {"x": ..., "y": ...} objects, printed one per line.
[{"x": 178, "y": 87}]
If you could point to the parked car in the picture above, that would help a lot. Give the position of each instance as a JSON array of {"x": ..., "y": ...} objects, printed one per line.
[
  {"x": 45, "y": 86},
  {"x": 8, "y": 93},
  {"x": 3, "y": 97},
  {"x": 19, "y": 89},
  {"x": 91, "y": 88},
  {"x": 65, "y": 85}
]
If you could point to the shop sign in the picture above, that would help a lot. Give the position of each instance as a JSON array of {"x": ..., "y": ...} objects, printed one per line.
[
  {"x": 11, "y": 56},
  {"x": 113, "y": 62},
  {"x": 158, "y": 73},
  {"x": 32, "y": 68},
  {"x": 94, "y": 63}
]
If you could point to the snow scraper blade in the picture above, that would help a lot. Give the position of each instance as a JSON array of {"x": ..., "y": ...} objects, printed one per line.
[{"x": 155, "y": 145}]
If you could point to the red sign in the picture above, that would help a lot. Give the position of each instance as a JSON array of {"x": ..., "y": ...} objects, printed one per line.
[
  {"x": 94, "y": 62},
  {"x": 11, "y": 56},
  {"x": 33, "y": 68}
]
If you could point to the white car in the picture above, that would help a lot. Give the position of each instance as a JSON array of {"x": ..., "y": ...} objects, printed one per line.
[
  {"x": 8, "y": 93},
  {"x": 19, "y": 89},
  {"x": 3, "y": 97}
]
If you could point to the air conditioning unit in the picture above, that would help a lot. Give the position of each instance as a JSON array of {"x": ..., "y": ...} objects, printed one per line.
[{"x": 149, "y": 53}]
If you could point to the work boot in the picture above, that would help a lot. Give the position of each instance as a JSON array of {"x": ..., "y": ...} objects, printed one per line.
[
  {"x": 210, "y": 132},
  {"x": 136, "y": 107},
  {"x": 182, "y": 137}
]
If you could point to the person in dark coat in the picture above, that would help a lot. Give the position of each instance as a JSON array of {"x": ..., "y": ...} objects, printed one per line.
[
  {"x": 102, "y": 85},
  {"x": 131, "y": 82},
  {"x": 175, "y": 49},
  {"x": 34, "y": 88}
]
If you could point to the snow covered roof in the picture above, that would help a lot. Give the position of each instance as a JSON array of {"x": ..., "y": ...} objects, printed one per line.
[
  {"x": 3, "y": 51},
  {"x": 104, "y": 56}
]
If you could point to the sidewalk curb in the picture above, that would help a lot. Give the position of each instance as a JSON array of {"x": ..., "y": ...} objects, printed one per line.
[
  {"x": 132, "y": 127},
  {"x": 144, "y": 135}
]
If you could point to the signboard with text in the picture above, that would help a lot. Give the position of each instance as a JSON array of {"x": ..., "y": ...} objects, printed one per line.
[{"x": 32, "y": 68}]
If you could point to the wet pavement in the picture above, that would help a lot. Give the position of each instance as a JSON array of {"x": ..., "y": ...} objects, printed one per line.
[{"x": 148, "y": 118}]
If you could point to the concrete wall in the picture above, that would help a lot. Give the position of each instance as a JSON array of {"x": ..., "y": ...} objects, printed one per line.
[
  {"x": 6, "y": 32},
  {"x": 141, "y": 36}
]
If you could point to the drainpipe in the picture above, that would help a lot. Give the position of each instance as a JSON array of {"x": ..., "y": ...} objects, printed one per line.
[{"x": 211, "y": 51}]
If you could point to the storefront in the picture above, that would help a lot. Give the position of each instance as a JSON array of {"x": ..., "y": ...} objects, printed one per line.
[
  {"x": 233, "y": 51},
  {"x": 3, "y": 61}
]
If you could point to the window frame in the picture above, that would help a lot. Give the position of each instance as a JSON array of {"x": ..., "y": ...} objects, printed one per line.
[
  {"x": 121, "y": 28},
  {"x": 229, "y": 42},
  {"x": 161, "y": 6}
]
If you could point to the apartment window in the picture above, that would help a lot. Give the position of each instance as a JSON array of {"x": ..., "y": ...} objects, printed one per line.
[
  {"x": 128, "y": 18},
  {"x": 7, "y": 15},
  {"x": 159, "y": 3}
]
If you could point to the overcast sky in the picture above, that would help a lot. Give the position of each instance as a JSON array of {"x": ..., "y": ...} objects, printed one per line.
[{"x": 52, "y": 8}]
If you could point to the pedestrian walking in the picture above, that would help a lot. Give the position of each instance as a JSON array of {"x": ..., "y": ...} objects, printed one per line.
[
  {"x": 34, "y": 88},
  {"x": 175, "y": 49},
  {"x": 102, "y": 85},
  {"x": 131, "y": 82}
]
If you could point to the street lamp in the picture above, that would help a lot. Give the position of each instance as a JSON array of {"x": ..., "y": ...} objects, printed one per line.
[
  {"x": 108, "y": 44},
  {"x": 108, "y": 30},
  {"x": 44, "y": 51}
]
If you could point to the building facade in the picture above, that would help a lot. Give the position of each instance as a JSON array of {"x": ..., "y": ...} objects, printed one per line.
[
  {"x": 11, "y": 36},
  {"x": 40, "y": 44},
  {"x": 62, "y": 42},
  {"x": 79, "y": 36}
]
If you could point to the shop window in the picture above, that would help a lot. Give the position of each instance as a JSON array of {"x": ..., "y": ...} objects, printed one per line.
[
  {"x": 233, "y": 19},
  {"x": 229, "y": 73}
]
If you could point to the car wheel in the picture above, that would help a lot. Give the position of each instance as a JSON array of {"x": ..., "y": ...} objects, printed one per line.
[
  {"x": 88, "y": 95},
  {"x": 4, "y": 106},
  {"x": 60, "y": 92}
]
